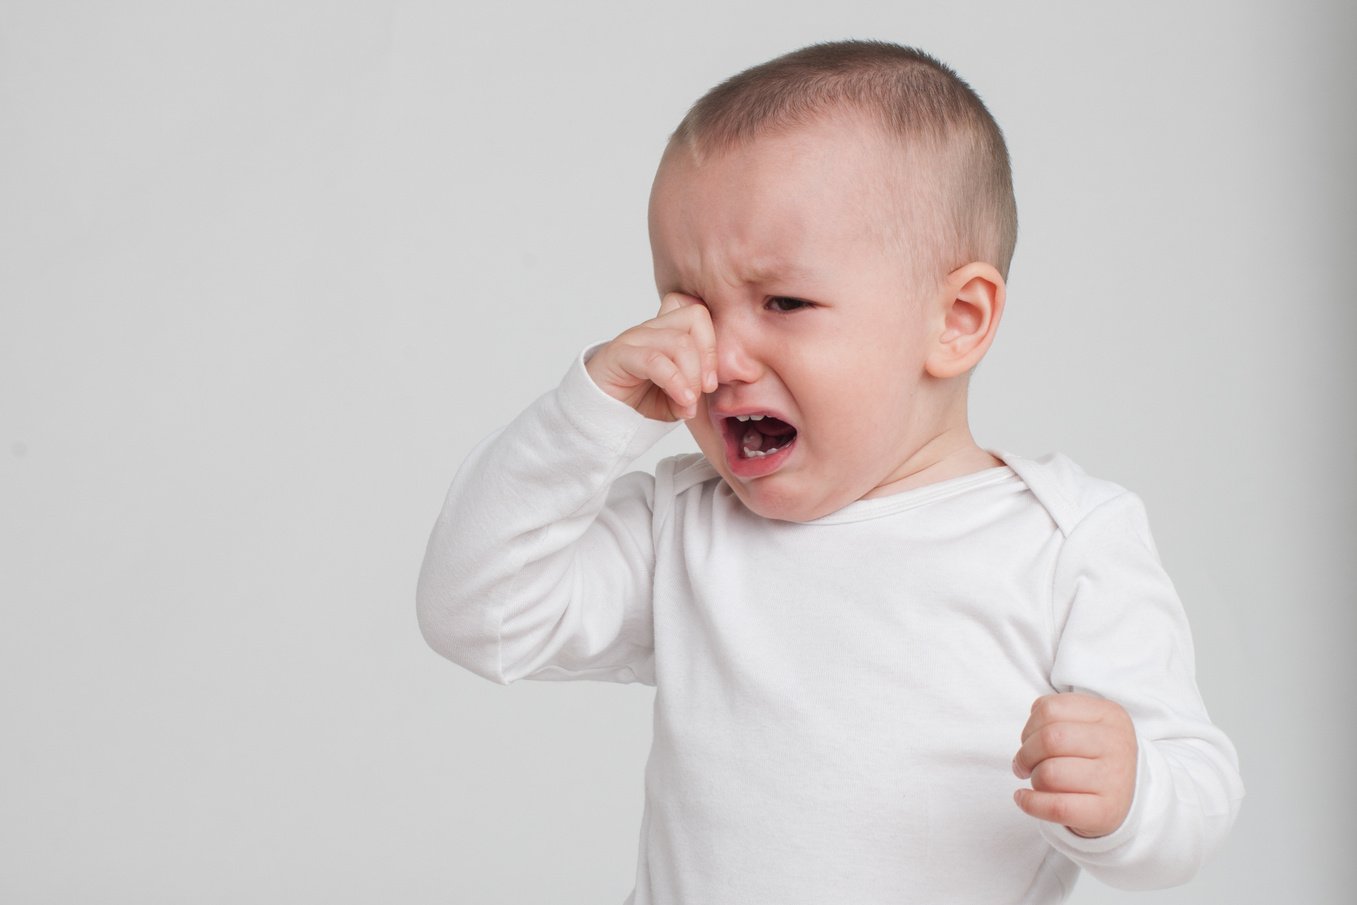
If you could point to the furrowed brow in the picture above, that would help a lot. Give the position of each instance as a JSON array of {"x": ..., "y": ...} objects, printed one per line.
[{"x": 775, "y": 271}]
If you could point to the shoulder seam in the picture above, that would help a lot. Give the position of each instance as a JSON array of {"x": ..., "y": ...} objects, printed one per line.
[
  {"x": 1053, "y": 491},
  {"x": 1063, "y": 510}
]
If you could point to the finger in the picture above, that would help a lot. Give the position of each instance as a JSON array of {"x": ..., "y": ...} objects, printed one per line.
[
  {"x": 685, "y": 354},
  {"x": 1064, "y": 707},
  {"x": 1071, "y": 809},
  {"x": 1070, "y": 774},
  {"x": 673, "y": 301},
  {"x": 692, "y": 314},
  {"x": 1058, "y": 740},
  {"x": 704, "y": 335},
  {"x": 646, "y": 362}
]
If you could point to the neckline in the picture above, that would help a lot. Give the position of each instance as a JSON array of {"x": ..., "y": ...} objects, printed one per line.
[{"x": 877, "y": 507}]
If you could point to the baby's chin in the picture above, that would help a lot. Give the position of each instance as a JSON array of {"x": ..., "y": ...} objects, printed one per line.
[{"x": 781, "y": 500}]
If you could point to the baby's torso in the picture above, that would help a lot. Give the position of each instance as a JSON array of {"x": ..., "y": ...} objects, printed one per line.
[{"x": 838, "y": 702}]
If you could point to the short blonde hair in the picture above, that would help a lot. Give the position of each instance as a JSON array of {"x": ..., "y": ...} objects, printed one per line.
[{"x": 967, "y": 190}]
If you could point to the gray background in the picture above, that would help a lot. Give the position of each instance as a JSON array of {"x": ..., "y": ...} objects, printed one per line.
[{"x": 269, "y": 270}]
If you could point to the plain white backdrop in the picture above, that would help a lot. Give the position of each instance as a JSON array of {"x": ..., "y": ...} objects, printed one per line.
[{"x": 269, "y": 270}]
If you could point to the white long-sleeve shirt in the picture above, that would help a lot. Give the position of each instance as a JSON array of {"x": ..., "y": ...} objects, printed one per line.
[{"x": 837, "y": 701}]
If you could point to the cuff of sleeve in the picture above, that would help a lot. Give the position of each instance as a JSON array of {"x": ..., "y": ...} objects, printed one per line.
[
  {"x": 617, "y": 425},
  {"x": 1069, "y": 841}
]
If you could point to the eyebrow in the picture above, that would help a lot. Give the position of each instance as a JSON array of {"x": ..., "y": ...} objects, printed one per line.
[
  {"x": 766, "y": 270},
  {"x": 761, "y": 272}
]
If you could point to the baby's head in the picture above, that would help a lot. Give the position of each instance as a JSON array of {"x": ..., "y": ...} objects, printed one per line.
[{"x": 845, "y": 212}]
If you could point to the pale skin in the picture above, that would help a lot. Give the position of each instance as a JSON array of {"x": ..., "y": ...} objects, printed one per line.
[
  {"x": 802, "y": 341},
  {"x": 1080, "y": 753}
]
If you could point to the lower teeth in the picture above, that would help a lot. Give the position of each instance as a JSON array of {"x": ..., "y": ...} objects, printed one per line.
[{"x": 759, "y": 454}]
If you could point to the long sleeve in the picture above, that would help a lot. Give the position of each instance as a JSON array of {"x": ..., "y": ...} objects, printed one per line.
[
  {"x": 1125, "y": 637},
  {"x": 540, "y": 563}
]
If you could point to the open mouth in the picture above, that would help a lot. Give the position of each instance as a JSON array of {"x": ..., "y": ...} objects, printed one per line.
[
  {"x": 757, "y": 444},
  {"x": 758, "y": 436}
]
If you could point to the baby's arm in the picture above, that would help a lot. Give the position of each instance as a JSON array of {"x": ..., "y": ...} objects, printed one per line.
[
  {"x": 1138, "y": 785},
  {"x": 541, "y": 561}
]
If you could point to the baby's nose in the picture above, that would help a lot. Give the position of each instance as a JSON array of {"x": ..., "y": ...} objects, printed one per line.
[{"x": 736, "y": 362}]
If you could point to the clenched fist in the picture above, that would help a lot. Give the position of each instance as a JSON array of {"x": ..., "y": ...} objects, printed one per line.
[
  {"x": 1080, "y": 752},
  {"x": 662, "y": 366}
]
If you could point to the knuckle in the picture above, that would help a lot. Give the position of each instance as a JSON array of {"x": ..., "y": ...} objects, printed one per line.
[
  {"x": 1123, "y": 719},
  {"x": 1054, "y": 737},
  {"x": 655, "y": 360}
]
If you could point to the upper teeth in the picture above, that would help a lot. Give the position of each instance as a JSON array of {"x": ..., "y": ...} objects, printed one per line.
[{"x": 749, "y": 417}]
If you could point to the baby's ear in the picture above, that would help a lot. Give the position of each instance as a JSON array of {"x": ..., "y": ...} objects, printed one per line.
[{"x": 969, "y": 305}]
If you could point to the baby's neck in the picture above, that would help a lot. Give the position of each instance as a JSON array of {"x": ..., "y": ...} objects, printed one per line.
[{"x": 950, "y": 454}]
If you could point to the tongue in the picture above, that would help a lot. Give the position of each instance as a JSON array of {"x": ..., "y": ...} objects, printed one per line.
[
  {"x": 759, "y": 438},
  {"x": 773, "y": 427}
]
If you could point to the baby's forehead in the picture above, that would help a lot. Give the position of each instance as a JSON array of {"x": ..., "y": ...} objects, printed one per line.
[
  {"x": 810, "y": 209},
  {"x": 835, "y": 166}
]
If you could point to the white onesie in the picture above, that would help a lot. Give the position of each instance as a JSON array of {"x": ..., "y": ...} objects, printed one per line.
[{"x": 837, "y": 702}]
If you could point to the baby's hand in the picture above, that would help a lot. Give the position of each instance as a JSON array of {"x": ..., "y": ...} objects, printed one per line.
[
  {"x": 660, "y": 367},
  {"x": 1080, "y": 752}
]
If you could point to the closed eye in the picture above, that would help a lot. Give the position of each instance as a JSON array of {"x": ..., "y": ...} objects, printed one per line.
[{"x": 787, "y": 305}]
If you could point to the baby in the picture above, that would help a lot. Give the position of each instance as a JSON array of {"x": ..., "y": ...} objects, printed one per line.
[{"x": 864, "y": 630}]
